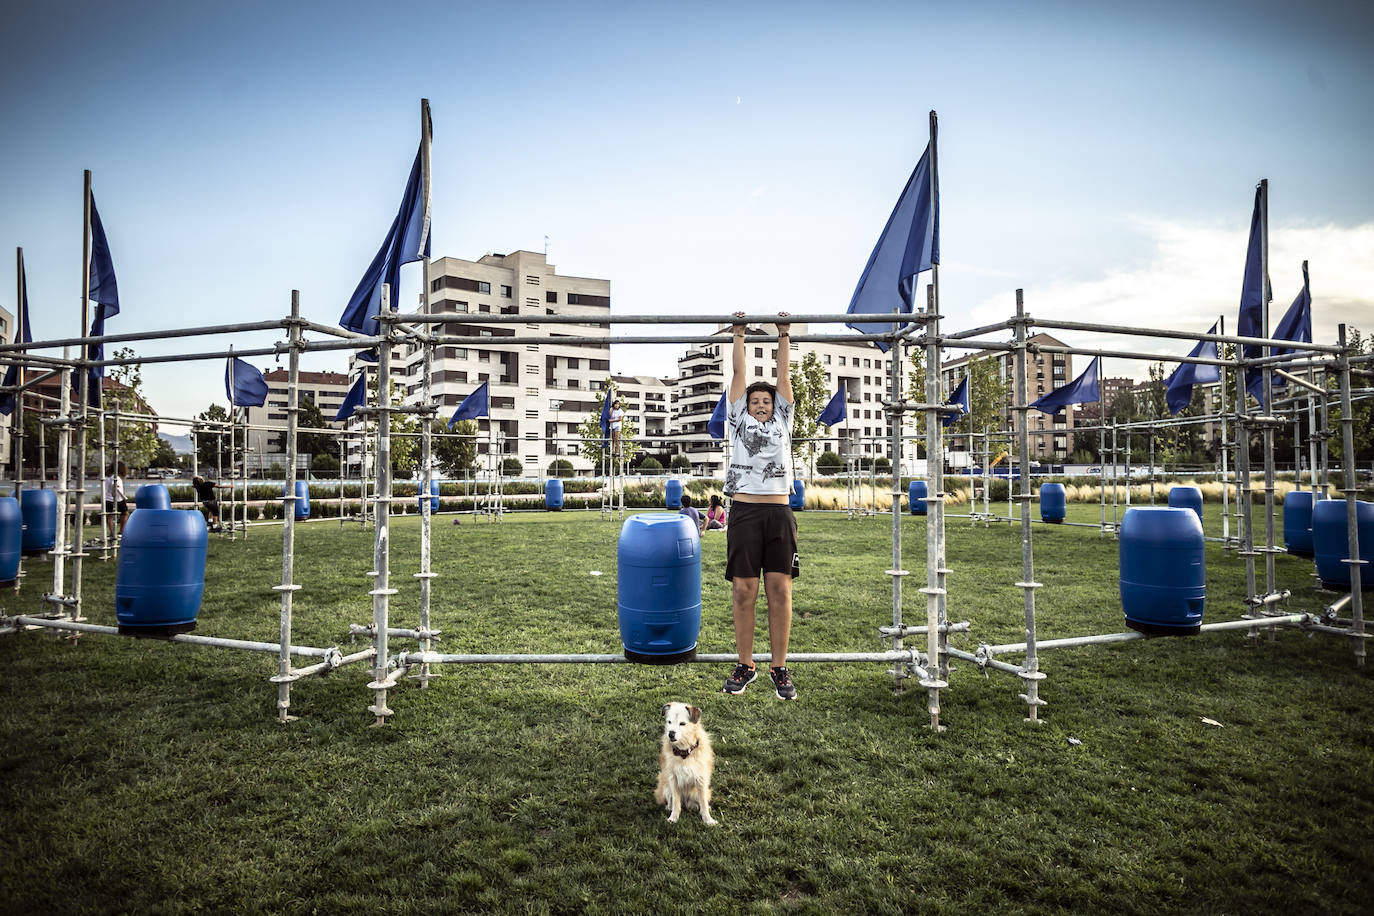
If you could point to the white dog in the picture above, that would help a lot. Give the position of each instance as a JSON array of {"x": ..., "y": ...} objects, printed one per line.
[{"x": 685, "y": 763}]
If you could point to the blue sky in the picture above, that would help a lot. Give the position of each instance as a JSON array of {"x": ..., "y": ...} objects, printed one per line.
[{"x": 1102, "y": 156}]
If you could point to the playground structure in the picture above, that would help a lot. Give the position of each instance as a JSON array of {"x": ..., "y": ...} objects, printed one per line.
[{"x": 901, "y": 331}]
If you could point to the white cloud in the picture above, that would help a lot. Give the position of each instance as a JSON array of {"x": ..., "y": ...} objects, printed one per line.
[{"x": 1193, "y": 275}]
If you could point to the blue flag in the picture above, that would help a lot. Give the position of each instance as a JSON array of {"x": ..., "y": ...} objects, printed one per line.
[
  {"x": 836, "y": 411},
  {"x": 102, "y": 290},
  {"x": 1296, "y": 324},
  {"x": 909, "y": 244},
  {"x": 716, "y": 425},
  {"x": 248, "y": 388},
  {"x": 7, "y": 399},
  {"x": 407, "y": 240},
  {"x": 477, "y": 404},
  {"x": 354, "y": 399},
  {"x": 1254, "y": 293},
  {"x": 1082, "y": 390},
  {"x": 960, "y": 400},
  {"x": 1178, "y": 388}
]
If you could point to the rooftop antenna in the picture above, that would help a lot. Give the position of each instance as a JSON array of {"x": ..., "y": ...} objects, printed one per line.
[{"x": 546, "y": 248}]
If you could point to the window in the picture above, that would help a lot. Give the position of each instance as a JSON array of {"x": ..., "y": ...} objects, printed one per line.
[
  {"x": 826, "y": 359},
  {"x": 550, "y": 296},
  {"x": 531, "y": 368},
  {"x": 758, "y": 370},
  {"x": 484, "y": 356},
  {"x": 841, "y": 360},
  {"x": 483, "y": 307},
  {"x": 505, "y": 292},
  {"x": 531, "y": 279},
  {"x": 532, "y": 302},
  {"x": 483, "y": 286},
  {"x": 758, "y": 352},
  {"x": 585, "y": 299}
]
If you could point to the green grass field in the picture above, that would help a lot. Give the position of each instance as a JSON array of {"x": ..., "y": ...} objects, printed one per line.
[{"x": 139, "y": 776}]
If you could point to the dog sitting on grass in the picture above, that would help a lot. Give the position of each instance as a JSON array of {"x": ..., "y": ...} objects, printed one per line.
[{"x": 685, "y": 763}]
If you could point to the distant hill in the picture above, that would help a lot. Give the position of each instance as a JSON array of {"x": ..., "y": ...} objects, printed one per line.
[{"x": 180, "y": 444}]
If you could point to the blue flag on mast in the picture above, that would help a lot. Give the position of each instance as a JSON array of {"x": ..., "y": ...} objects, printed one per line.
[
  {"x": 102, "y": 290},
  {"x": 960, "y": 400},
  {"x": 1254, "y": 293},
  {"x": 1082, "y": 390},
  {"x": 1296, "y": 324},
  {"x": 407, "y": 240},
  {"x": 716, "y": 425},
  {"x": 909, "y": 245},
  {"x": 836, "y": 411},
  {"x": 12, "y": 378},
  {"x": 355, "y": 398},
  {"x": 244, "y": 386},
  {"x": 477, "y": 404},
  {"x": 1178, "y": 388}
]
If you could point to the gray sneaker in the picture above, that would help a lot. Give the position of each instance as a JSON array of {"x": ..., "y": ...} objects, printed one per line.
[
  {"x": 740, "y": 678},
  {"x": 782, "y": 683}
]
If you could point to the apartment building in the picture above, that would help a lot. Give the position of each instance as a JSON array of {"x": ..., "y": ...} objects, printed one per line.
[
  {"x": 540, "y": 392},
  {"x": 267, "y": 424},
  {"x": 1051, "y": 438}
]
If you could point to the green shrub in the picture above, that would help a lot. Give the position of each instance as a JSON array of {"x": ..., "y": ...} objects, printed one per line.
[
  {"x": 829, "y": 463},
  {"x": 681, "y": 463},
  {"x": 511, "y": 467},
  {"x": 651, "y": 466},
  {"x": 560, "y": 467}
]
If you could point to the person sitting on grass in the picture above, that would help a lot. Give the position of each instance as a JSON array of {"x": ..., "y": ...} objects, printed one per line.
[
  {"x": 692, "y": 512},
  {"x": 715, "y": 514},
  {"x": 209, "y": 502}
]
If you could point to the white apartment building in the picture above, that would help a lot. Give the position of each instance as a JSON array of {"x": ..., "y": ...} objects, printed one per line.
[
  {"x": 540, "y": 393},
  {"x": 267, "y": 424}
]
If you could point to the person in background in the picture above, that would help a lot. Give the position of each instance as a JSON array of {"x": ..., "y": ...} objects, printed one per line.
[
  {"x": 116, "y": 504},
  {"x": 209, "y": 501},
  {"x": 616, "y": 418},
  {"x": 692, "y": 512},
  {"x": 763, "y": 531},
  {"x": 715, "y": 514}
]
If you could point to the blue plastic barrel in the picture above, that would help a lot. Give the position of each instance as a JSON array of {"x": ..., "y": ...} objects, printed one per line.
[
  {"x": 11, "y": 538},
  {"x": 658, "y": 588},
  {"x": 302, "y": 511},
  {"x": 161, "y": 576},
  {"x": 1331, "y": 544},
  {"x": 1186, "y": 498},
  {"x": 672, "y": 494},
  {"x": 798, "y": 498},
  {"x": 916, "y": 497},
  {"x": 1054, "y": 503},
  {"x": 1297, "y": 522},
  {"x": 39, "y": 510},
  {"x": 1163, "y": 570},
  {"x": 152, "y": 496},
  {"x": 433, "y": 499},
  {"x": 553, "y": 494}
]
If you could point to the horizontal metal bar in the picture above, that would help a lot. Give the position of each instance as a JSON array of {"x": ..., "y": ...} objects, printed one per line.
[
  {"x": 606, "y": 318},
  {"x": 440, "y": 658},
  {"x": 189, "y": 638},
  {"x": 1130, "y": 635}
]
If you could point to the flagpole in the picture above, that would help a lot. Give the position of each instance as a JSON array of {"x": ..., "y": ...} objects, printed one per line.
[
  {"x": 1269, "y": 579},
  {"x": 18, "y": 435},
  {"x": 83, "y": 392},
  {"x": 1225, "y": 452},
  {"x": 426, "y": 435},
  {"x": 935, "y": 512}
]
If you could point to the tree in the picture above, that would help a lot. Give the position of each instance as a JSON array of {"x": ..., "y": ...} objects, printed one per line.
[
  {"x": 311, "y": 443},
  {"x": 988, "y": 398},
  {"x": 809, "y": 397},
  {"x": 681, "y": 463},
  {"x": 651, "y": 465},
  {"x": 405, "y": 443},
  {"x": 455, "y": 453},
  {"x": 207, "y": 441},
  {"x": 829, "y": 463},
  {"x": 324, "y": 465},
  {"x": 594, "y": 448},
  {"x": 137, "y": 439},
  {"x": 33, "y": 428},
  {"x": 165, "y": 456},
  {"x": 560, "y": 467},
  {"x": 511, "y": 467}
]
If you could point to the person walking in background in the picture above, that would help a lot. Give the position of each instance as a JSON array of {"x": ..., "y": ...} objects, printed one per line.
[
  {"x": 209, "y": 501},
  {"x": 617, "y": 417},
  {"x": 763, "y": 531},
  {"x": 116, "y": 503}
]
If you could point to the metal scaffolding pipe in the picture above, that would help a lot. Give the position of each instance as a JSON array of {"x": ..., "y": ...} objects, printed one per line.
[
  {"x": 187, "y": 638},
  {"x": 1131, "y": 635}
]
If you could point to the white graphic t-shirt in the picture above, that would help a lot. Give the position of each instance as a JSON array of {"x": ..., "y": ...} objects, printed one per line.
[{"x": 760, "y": 453}]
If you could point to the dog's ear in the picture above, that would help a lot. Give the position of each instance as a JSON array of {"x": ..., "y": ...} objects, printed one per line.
[
  {"x": 694, "y": 714},
  {"x": 664, "y": 710}
]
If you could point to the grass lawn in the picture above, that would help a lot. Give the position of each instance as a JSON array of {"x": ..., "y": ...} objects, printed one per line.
[{"x": 140, "y": 776}]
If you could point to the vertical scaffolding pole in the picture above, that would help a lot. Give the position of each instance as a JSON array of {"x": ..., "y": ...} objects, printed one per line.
[
  {"x": 426, "y": 573},
  {"x": 1268, "y": 431},
  {"x": 896, "y": 572},
  {"x": 1351, "y": 489},
  {"x": 84, "y": 393},
  {"x": 1246, "y": 534},
  {"x": 935, "y": 474},
  {"x": 1030, "y": 672},
  {"x": 288, "y": 588},
  {"x": 61, "y": 549},
  {"x": 381, "y": 550}
]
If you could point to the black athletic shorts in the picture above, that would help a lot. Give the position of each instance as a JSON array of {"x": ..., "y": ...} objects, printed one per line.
[
  {"x": 761, "y": 536},
  {"x": 121, "y": 507}
]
